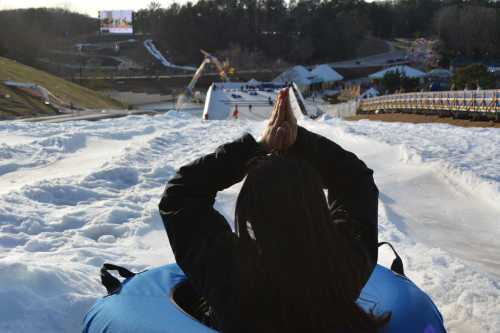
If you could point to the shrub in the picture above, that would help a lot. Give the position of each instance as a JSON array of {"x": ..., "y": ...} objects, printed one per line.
[
  {"x": 396, "y": 81},
  {"x": 472, "y": 76}
]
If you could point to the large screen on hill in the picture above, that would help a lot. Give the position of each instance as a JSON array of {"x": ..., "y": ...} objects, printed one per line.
[{"x": 116, "y": 21}]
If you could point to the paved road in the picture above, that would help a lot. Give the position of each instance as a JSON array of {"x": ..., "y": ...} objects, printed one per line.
[
  {"x": 169, "y": 76},
  {"x": 392, "y": 57},
  {"x": 89, "y": 115},
  {"x": 388, "y": 58}
]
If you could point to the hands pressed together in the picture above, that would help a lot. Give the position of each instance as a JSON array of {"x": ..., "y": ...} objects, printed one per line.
[{"x": 281, "y": 131}]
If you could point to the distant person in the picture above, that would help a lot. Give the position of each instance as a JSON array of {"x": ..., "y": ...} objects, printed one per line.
[
  {"x": 297, "y": 261},
  {"x": 236, "y": 113},
  {"x": 269, "y": 100},
  {"x": 249, "y": 107}
]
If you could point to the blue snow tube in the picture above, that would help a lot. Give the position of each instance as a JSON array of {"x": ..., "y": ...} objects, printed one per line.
[{"x": 145, "y": 304}]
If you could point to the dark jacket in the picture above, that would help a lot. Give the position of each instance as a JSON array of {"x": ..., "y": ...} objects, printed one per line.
[{"x": 202, "y": 241}]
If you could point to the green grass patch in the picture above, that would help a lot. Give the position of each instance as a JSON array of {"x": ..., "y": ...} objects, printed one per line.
[{"x": 22, "y": 105}]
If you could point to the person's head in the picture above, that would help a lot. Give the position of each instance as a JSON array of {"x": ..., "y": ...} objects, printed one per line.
[{"x": 298, "y": 273}]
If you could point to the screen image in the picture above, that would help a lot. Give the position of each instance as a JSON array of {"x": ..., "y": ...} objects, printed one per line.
[{"x": 116, "y": 21}]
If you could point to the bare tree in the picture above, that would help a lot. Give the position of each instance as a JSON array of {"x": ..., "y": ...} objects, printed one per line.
[{"x": 470, "y": 30}]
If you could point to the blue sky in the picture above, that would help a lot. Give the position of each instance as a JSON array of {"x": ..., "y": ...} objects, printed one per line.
[{"x": 90, "y": 7}]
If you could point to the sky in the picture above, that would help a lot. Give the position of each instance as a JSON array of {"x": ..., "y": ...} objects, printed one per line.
[{"x": 90, "y": 7}]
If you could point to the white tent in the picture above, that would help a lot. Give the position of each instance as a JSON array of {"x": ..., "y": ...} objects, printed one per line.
[
  {"x": 403, "y": 69},
  {"x": 298, "y": 74},
  {"x": 326, "y": 73},
  {"x": 253, "y": 82}
]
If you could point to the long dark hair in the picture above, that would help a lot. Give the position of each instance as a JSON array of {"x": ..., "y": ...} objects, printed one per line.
[{"x": 297, "y": 272}]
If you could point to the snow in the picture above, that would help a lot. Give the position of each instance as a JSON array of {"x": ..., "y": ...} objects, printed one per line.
[
  {"x": 403, "y": 69},
  {"x": 75, "y": 195},
  {"x": 151, "y": 48},
  {"x": 252, "y": 102},
  {"x": 222, "y": 98}
]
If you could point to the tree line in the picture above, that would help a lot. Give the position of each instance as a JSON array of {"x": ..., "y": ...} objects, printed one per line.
[
  {"x": 26, "y": 34},
  {"x": 308, "y": 31},
  {"x": 294, "y": 31}
]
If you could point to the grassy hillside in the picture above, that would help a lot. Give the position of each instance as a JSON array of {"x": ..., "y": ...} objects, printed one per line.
[{"x": 21, "y": 105}]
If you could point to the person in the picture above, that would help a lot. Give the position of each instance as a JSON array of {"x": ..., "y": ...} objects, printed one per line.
[
  {"x": 236, "y": 113},
  {"x": 297, "y": 260},
  {"x": 249, "y": 107}
]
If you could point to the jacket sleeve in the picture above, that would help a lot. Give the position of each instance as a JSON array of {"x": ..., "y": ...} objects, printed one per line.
[
  {"x": 200, "y": 237},
  {"x": 352, "y": 193}
]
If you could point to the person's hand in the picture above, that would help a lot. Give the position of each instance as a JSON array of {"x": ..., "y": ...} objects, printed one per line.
[{"x": 281, "y": 131}]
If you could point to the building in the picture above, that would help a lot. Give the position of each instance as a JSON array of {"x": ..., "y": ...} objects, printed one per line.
[
  {"x": 298, "y": 74},
  {"x": 321, "y": 77},
  {"x": 402, "y": 69},
  {"x": 327, "y": 75}
]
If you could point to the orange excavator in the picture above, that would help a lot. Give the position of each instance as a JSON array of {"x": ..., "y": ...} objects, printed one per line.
[{"x": 224, "y": 71}]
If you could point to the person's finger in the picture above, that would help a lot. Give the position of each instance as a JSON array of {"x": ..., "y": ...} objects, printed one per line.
[
  {"x": 292, "y": 135},
  {"x": 285, "y": 131},
  {"x": 282, "y": 107},
  {"x": 277, "y": 116},
  {"x": 281, "y": 135},
  {"x": 290, "y": 116},
  {"x": 274, "y": 113},
  {"x": 278, "y": 139},
  {"x": 276, "y": 109},
  {"x": 292, "y": 122},
  {"x": 273, "y": 136},
  {"x": 277, "y": 112}
]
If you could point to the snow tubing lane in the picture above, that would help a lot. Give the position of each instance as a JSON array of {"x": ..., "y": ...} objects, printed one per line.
[{"x": 144, "y": 304}]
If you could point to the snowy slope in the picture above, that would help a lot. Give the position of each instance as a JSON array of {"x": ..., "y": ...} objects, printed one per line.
[
  {"x": 75, "y": 195},
  {"x": 151, "y": 47}
]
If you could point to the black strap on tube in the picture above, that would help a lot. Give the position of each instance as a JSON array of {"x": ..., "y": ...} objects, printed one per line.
[
  {"x": 111, "y": 283},
  {"x": 397, "y": 264}
]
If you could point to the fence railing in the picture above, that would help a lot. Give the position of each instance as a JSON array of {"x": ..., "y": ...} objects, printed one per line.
[{"x": 480, "y": 101}]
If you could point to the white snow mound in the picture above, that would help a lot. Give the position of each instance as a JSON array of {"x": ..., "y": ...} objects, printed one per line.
[{"x": 78, "y": 194}]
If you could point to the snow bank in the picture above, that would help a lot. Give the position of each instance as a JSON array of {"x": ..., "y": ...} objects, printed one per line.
[
  {"x": 468, "y": 296},
  {"x": 468, "y": 299},
  {"x": 466, "y": 156},
  {"x": 57, "y": 229}
]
